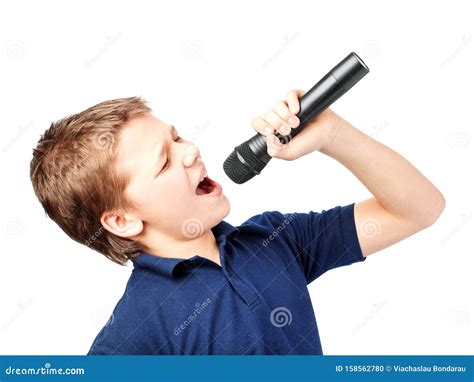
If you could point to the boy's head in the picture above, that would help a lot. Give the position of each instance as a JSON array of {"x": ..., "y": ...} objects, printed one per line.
[{"x": 115, "y": 178}]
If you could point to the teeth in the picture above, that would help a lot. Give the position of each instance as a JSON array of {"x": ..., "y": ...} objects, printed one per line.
[{"x": 205, "y": 174}]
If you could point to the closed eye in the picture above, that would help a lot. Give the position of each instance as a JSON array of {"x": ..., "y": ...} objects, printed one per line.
[{"x": 177, "y": 139}]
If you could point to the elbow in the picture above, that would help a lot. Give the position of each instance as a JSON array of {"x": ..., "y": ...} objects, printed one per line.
[{"x": 436, "y": 209}]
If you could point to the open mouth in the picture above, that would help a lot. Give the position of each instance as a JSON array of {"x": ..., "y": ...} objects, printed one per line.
[{"x": 208, "y": 187}]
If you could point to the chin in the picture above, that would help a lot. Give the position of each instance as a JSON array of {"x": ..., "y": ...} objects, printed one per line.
[
  {"x": 227, "y": 204},
  {"x": 225, "y": 208},
  {"x": 220, "y": 213}
]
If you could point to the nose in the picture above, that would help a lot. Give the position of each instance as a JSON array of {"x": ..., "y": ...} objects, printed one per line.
[{"x": 190, "y": 155}]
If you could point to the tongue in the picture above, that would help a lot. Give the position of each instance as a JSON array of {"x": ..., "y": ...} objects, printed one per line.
[{"x": 205, "y": 187}]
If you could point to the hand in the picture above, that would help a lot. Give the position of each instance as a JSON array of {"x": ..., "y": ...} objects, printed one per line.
[{"x": 282, "y": 118}]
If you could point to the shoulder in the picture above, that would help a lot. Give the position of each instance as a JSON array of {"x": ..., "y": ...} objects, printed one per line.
[
  {"x": 268, "y": 220},
  {"x": 130, "y": 329}
]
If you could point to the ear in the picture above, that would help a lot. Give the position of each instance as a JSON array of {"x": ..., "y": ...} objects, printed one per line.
[{"x": 121, "y": 224}]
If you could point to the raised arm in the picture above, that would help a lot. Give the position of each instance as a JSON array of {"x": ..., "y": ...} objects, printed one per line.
[{"x": 404, "y": 201}]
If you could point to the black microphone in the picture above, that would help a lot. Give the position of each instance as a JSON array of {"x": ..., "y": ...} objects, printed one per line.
[{"x": 249, "y": 158}]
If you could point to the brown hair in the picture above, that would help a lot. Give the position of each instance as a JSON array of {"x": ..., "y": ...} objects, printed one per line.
[{"x": 74, "y": 175}]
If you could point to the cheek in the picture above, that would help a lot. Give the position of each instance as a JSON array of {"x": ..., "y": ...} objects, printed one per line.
[
  {"x": 171, "y": 196},
  {"x": 173, "y": 188}
]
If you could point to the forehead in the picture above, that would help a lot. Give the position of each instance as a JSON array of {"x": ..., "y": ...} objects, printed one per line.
[
  {"x": 138, "y": 138},
  {"x": 140, "y": 125}
]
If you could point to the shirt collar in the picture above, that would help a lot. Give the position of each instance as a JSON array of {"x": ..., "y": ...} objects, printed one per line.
[
  {"x": 166, "y": 266},
  {"x": 224, "y": 231}
]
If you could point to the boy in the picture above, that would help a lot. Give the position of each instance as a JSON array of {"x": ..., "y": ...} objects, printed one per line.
[{"x": 118, "y": 179}]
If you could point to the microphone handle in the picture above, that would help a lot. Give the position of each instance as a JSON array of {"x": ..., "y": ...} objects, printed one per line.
[{"x": 328, "y": 90}]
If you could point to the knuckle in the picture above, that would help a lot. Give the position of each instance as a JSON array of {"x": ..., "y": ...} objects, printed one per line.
[
  {"x": 280, "y": 104},
  {"x": 283, "y": 107},
  {"x": 272, "y": 119}
]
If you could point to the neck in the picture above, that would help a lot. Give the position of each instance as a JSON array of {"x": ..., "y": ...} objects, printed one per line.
[{"x": 204, "y": 245}]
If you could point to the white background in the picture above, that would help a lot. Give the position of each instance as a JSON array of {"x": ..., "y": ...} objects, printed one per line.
[{"x": 209, "y": 68}]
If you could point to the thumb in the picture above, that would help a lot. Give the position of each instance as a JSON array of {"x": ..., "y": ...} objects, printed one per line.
[{"x": 278, "y": 150}]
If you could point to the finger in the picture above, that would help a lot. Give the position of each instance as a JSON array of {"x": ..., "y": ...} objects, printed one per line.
[
  {"x": 284, "y": 112},
  {"x": 293, "y": 101},
  {"x": 274, "y": 146},
  {"x": 261, "y": 126},
  {"x": 278, "y": 124},
  {"x": 278, "y": 150}
]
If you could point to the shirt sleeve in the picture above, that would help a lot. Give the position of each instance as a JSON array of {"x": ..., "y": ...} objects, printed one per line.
[{"x": 320, "y": 241}]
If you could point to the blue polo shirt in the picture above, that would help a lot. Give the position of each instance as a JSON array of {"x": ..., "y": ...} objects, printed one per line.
[{"x": 256, "y": 303}]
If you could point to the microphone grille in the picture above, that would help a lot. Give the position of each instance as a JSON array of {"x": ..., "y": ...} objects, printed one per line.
[{"x": 242, "y": 164}]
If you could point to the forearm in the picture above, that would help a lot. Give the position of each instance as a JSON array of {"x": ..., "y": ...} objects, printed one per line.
[{"x": 396, "y": 184}]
